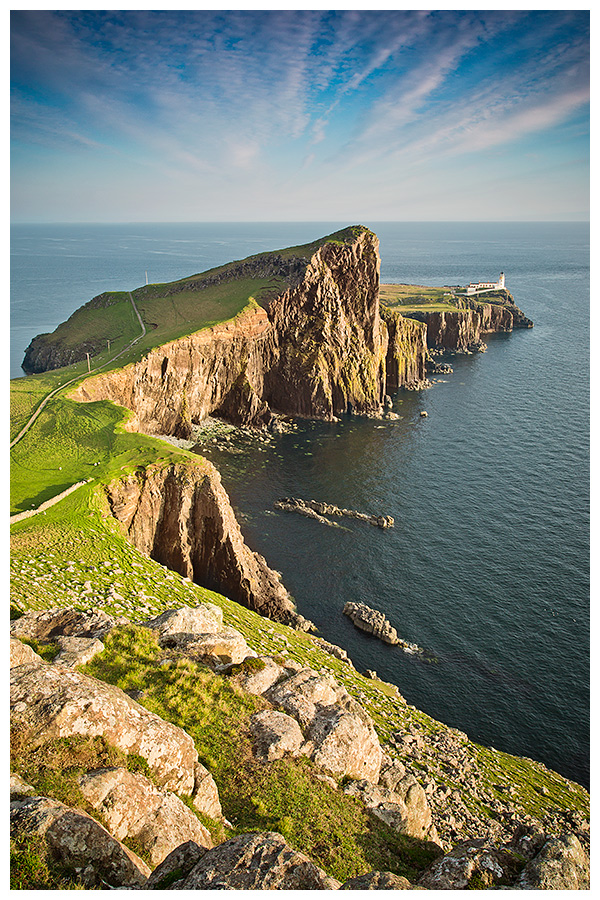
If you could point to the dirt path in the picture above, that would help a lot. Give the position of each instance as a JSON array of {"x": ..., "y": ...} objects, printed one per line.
[{"x": 47, "y": 503}]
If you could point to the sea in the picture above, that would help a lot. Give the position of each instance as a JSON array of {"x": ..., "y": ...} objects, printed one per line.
[{"x": 487, "y": 566}]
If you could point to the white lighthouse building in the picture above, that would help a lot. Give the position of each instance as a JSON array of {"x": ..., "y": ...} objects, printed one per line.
[{"x": 476, "y": 286}]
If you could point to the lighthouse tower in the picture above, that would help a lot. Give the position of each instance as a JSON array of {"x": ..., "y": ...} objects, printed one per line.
[{"x": 501, "y": 281}]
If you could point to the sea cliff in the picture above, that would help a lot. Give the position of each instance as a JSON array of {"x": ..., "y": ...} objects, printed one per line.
[{"x": 320, "y": 349}]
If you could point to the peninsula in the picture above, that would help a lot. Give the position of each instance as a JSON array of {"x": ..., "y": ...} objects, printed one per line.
[{"x": 175, "y": 722}]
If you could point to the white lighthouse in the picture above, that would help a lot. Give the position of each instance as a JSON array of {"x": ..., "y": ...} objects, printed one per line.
[
  {"x": 501, "y": 282},
  {"x": 477, "y": 287}
]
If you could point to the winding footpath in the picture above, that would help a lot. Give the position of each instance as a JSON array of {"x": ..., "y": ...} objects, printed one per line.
[{"x": 47, "y": 503}]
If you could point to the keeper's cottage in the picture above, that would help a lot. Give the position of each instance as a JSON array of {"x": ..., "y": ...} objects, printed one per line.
[{"x": 476, "y": 286}]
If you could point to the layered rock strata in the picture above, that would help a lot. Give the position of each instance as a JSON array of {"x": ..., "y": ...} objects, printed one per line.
[
  {"x": 180, "y": 515},
  {"x": 461, "y": 329},
  {"x": 320, "y": 349}
]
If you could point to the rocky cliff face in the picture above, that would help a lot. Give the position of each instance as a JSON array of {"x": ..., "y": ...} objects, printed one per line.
[
  {"x": 458, "y": 329},
  {"x": 320, "y": 349},
  {"x": 180, "y": 515}
]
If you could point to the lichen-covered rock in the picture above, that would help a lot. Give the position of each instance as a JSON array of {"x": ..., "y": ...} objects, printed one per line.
[
  {"x": 79, "y": 843},
  {"x": 275, "y": 735},
  {"x": 20, "y": 788},
  {"x": 173, "y": 869},
  {"x": 133, "y": 808},
  {"x": 22, "y": 654},
  {"x": 405, "y": 810},
  {"x": 226, "y": 647},
  {"x": 258, "y": 677},
  {"x": 46, "y": 625},
  {"x": 303, "y": 692},
  {"x": 392, "y": 771},
  {"x": 206, "y": 618},
  {"x": 256, "y": 861},
  {"x": 50, "y": 701},
  {"x": 470, "y": 865},
  {"x": 561, "y": 865},
  {"x": 346, "y": 743},
  {"x": 77, "y": 651},
  {"x": 378, "y": 881},
  {"x": 206, "y": 794}
]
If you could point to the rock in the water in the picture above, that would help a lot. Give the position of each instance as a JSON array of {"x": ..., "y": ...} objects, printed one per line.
[
  {"x": 256, "y": 861},
  {"x": 378, "y": 881},
  {"x": 132, "y": 808},
  {"x": 275, "y": 735},
  {"x": 174, "y": 868},
  {"x": 77, "y": 651},
  {"x": 372, "y": 621},
  {"x": 79, "y": 843},
  {"x": 561, "y": 865},
  {"x": 22, "y": 654},
  {"x": 50, "y": 701}
]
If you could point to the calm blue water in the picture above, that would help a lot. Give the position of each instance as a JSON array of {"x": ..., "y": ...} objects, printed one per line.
[{"x": 488, "y": 563}]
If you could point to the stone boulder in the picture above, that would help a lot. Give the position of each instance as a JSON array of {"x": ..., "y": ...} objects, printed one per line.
[
  {"x": 77, "y": 651},
  {"x": 50, "y": 701},
  {"x": 22, "y": 654},
  {"x": 206, "y": 795},
  {"x": 392, "y": 772},
  {"x": 378, "y": 881},
  {"x": 46, "y": 625},
  {"x": 275, "y": 735},
  {"x": 20, "y": 788},
  {"x": 79, "y": 843},
  {"x": 372, "y": 621},
  {"x": 474, "y": 865},
  {"x": 561, "y": 865},
  {"x": 223, "y": 648},
  {"x": 301, "y": 694},
  {"x": 256, "y": 861},
  {"x": 207, "y": 618},
  {"x": 133, "y": 809},
  {"x": 259, "y": 677},
  {"x": 346, "y": 743},
  {"x": 406, "y": 810},
  {"x": 175, "y": 867}
]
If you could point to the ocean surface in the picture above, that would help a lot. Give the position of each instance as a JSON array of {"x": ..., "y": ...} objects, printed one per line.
[{"x": 487, "y": 566}]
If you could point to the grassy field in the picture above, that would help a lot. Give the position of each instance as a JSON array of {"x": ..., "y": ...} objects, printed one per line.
[{"x": 416, "y": 297}]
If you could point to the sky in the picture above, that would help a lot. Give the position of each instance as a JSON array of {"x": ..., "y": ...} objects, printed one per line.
[{"x": 305, "y": 115}]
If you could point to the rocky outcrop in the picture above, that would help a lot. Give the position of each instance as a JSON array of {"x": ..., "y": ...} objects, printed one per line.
[
  {"x": 255, "y": 861},
  {"x": 405, "y": 809},
  {"x": 378, "y": 881},
  {"x": 133, "y": 809},
  {"x": 372, "y": 621},
  {"x": 561, "y": 865},
  {"x": 50, "y": 701},
  {"x": 47, "y": 624},
  {"x": 461, "y": 329},
  {"x": 318, "y": 510},
  {"x": 320, "y": 349},
  {"x": 200, "y": 633},
  {"x": 181, "y": 516},
  {"x": 78, "y": 843}
]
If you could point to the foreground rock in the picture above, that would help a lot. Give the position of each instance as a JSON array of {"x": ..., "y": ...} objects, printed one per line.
[
  {"x": 50, "y": 701},
  {"x": 22, "y": 654},
  {"x": 256, "y": 861},
  {"x": 561, "y": 865},
  {"x": 405, "y": 809},
  {"x": 378, "y": 881},
  {"x": 46, "y": 625},
  {"x": 133, "y": 809},
  {"x": 78, "y": 843}
]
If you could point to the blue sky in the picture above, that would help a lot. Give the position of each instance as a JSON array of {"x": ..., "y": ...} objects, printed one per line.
[{"x": 299, "y": 115}]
